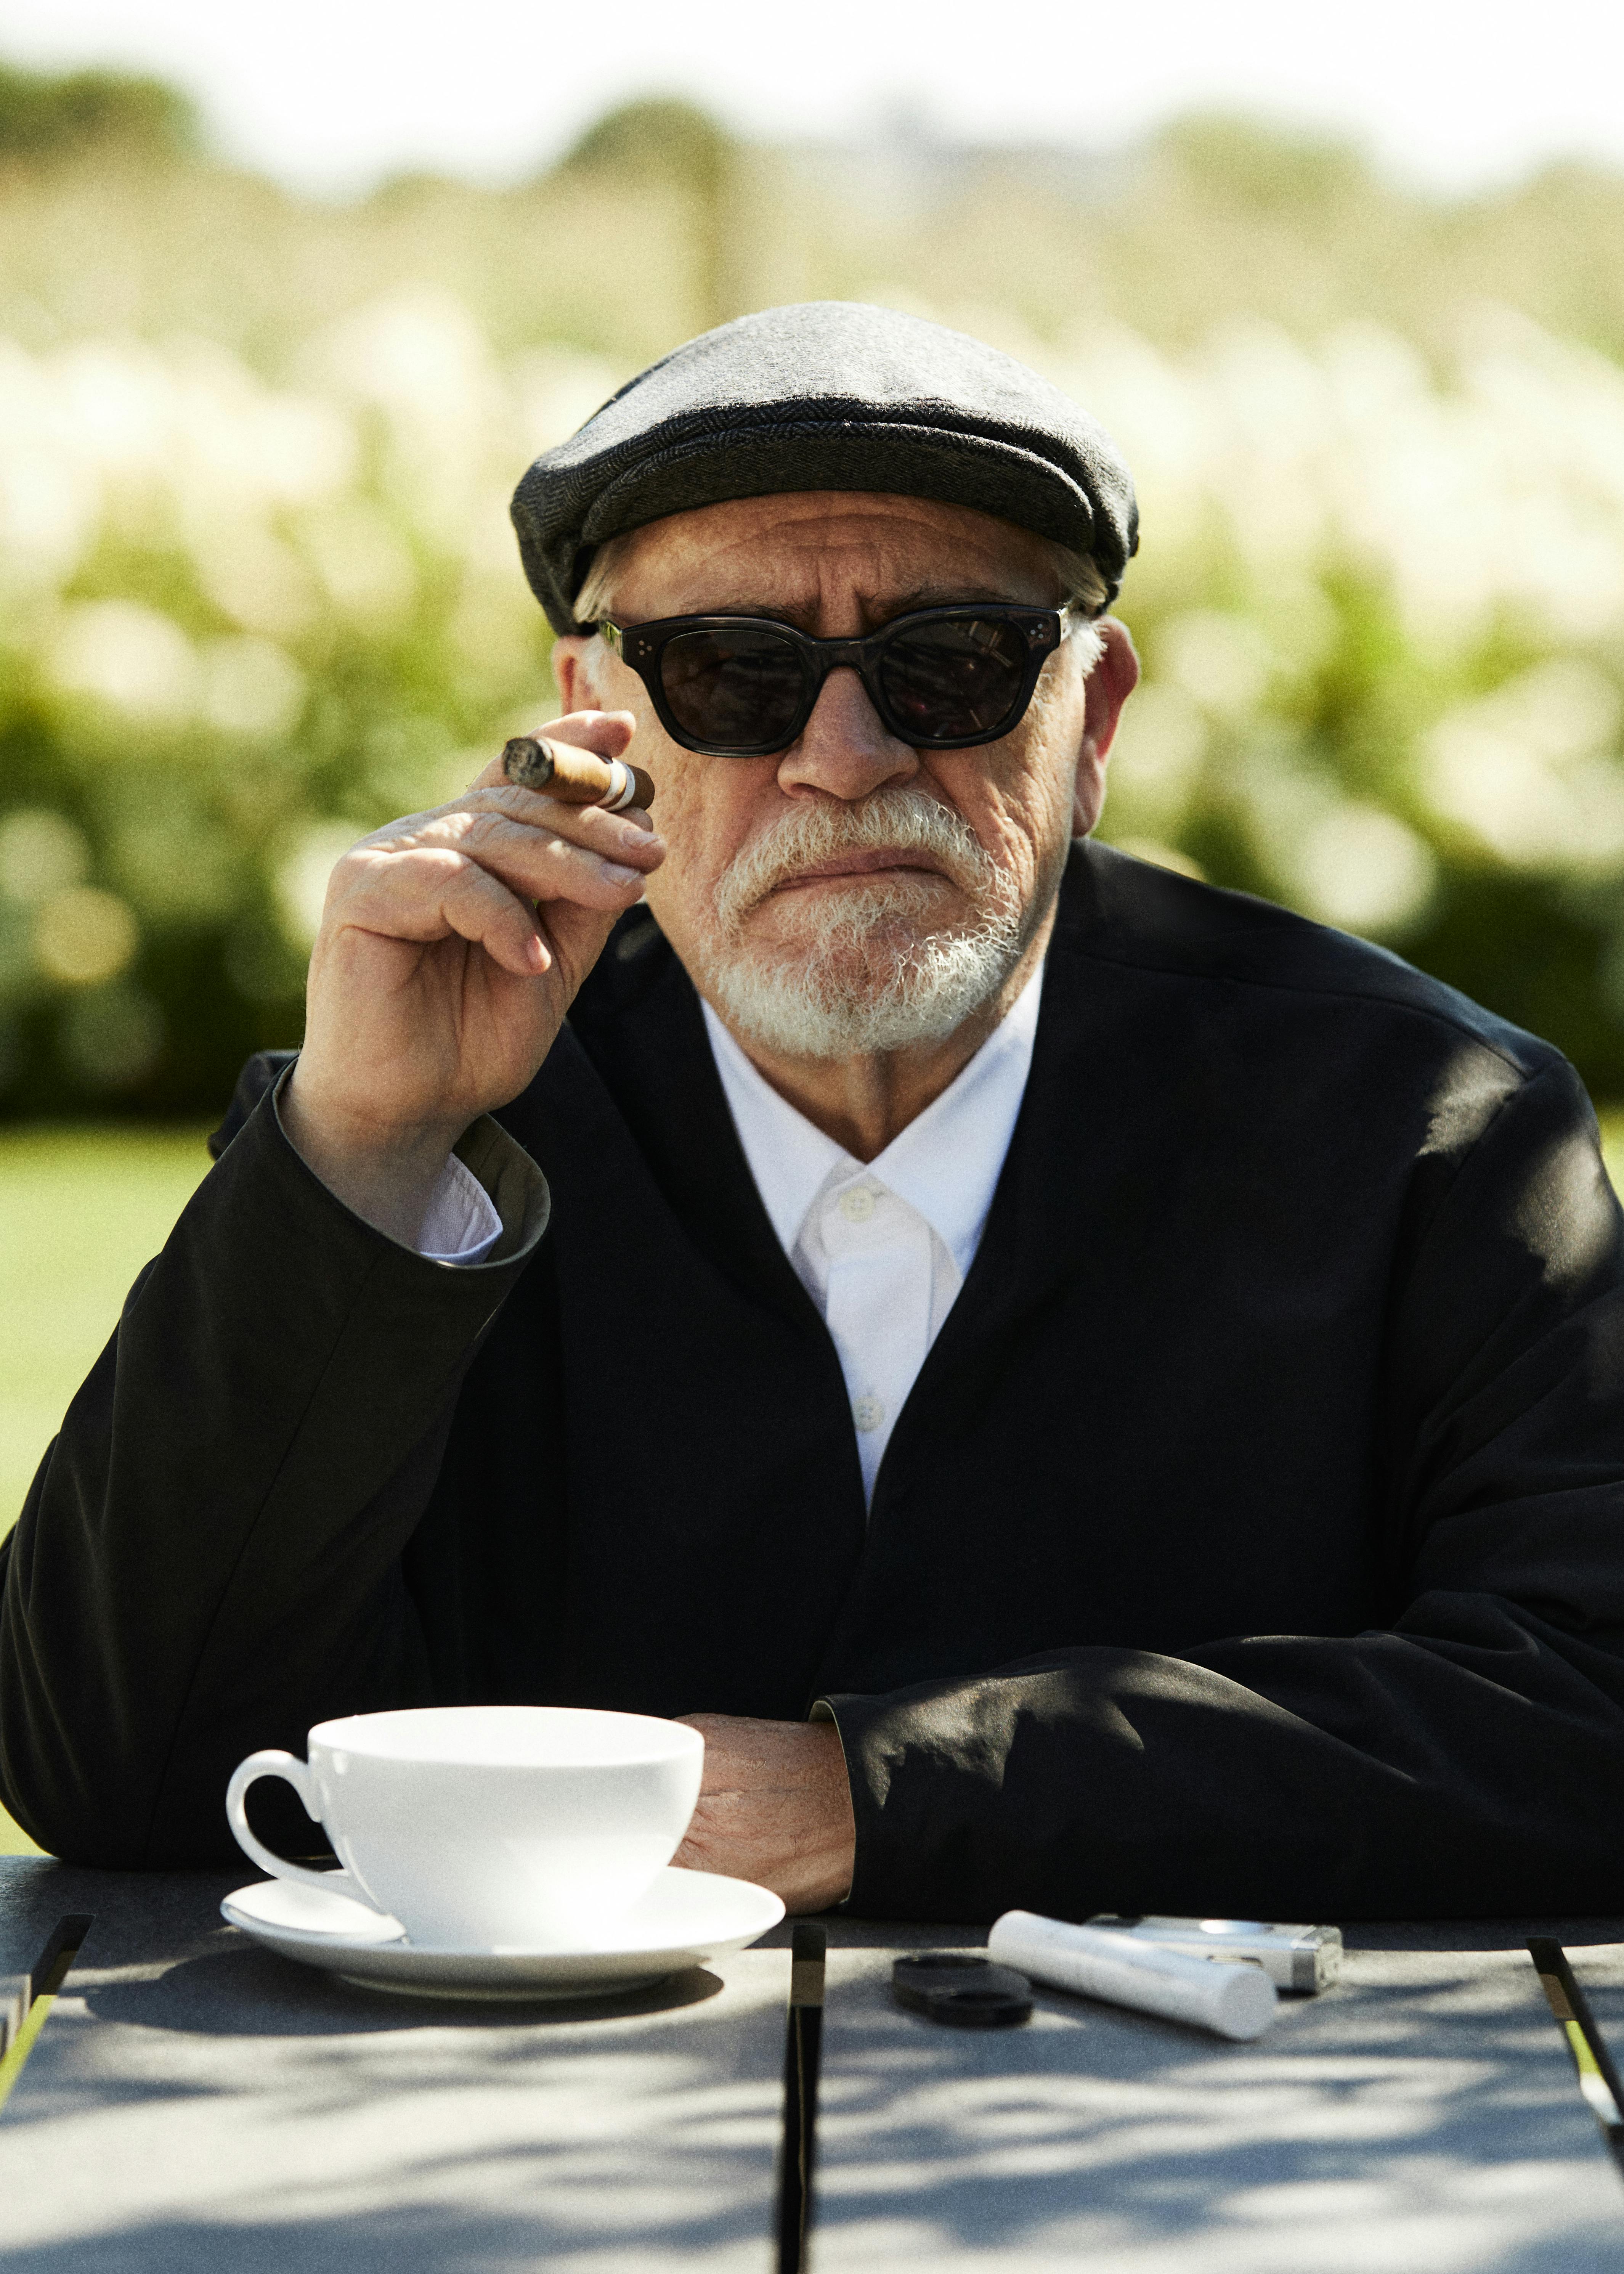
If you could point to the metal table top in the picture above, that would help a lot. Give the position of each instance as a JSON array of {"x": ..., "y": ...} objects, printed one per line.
[{"x": 195, "y": 2101}]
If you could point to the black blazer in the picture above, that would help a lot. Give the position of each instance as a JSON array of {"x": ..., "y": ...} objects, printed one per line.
[{"x": 1252, "y": 1543}]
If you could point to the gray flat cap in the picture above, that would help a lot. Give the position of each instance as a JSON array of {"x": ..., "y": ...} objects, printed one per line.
[{"x": 827, "y": 396}]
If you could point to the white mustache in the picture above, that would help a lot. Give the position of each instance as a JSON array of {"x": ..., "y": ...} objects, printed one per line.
[{"x": 898, "y": 819}]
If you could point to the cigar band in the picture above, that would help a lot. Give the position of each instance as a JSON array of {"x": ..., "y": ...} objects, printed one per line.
[{"x": 623, "y": 788}]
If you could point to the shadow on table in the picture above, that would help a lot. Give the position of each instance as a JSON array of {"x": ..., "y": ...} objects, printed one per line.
[
  {"x": 421, "y": 2241},
  {"x": 1421, "y": 2125},
  {"x": 242, "y": 1992},
  {"x": 460, "y": 2150},
  {"x": 268, "y": 2120}
]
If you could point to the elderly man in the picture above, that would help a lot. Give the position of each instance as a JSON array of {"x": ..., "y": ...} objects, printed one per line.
[{"x": 1091, "y": 1390}]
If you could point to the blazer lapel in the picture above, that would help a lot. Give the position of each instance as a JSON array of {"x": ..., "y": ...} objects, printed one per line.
[{"x": 639, "y": 1022}]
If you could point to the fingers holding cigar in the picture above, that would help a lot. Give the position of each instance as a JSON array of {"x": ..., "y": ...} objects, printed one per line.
[
  {"x": 561, "y": 811},
  {"x": 517, "y": 870},
  {"x": 452, "y": 945},
  {"x": 578, "y": 761},
  {"x": 575, "y": 777}
]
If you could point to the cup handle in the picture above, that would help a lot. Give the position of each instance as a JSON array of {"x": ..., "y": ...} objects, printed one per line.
[{"x": 297, "y": 1773}]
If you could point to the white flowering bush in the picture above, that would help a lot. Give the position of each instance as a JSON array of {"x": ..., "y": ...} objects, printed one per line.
[
  {"x": 1382, "y": 604},
  {"x": 1380, "y": 600},
  {"x": 240, "y": 624}
]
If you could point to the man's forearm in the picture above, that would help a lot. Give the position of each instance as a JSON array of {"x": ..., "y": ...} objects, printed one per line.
[{"x": 775, "y": 1807}]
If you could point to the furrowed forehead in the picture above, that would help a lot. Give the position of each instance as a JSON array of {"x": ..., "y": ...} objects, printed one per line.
[{"x": 793, "y": 551}]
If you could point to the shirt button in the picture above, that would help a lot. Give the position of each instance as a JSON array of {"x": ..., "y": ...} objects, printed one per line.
[
  {"x": 857, "y": 1205},
  {"x": 868, "y": 1411}
]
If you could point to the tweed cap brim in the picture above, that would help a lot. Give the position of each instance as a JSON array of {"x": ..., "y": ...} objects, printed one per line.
[{"x": 829, "y": 395}]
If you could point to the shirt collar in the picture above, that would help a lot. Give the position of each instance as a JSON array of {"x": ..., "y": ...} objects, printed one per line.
[
  {"x": 945, "y": 1164},
  {"x": 790, "y": 1159}
]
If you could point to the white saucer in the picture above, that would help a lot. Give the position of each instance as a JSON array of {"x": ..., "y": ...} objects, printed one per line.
[{"x": 684, "y": 1918}]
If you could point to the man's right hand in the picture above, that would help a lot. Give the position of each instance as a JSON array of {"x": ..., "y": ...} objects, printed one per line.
[{"x": 437, "y": 984}]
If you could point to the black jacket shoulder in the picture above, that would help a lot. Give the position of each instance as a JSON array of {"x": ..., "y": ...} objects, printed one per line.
[{"x": 1116, "y": 909}]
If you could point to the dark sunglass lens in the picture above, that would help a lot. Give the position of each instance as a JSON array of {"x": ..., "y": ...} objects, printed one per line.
[
  {"x": 961, "y": 676},
  {"x": 732, "y": 690}
]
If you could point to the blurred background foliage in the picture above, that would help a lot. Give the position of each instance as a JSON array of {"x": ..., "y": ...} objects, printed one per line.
[{"x": 257, "y": 590}]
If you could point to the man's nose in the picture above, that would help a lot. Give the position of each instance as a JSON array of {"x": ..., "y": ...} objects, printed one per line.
[{"x": 845, "y": 749}]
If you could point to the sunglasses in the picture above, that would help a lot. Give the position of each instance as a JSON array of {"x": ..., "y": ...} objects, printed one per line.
[{"x": 744, "y": 686}]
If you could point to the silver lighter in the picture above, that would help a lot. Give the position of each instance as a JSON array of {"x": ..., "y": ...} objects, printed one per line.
[{"x": 1303, "y": 1960}]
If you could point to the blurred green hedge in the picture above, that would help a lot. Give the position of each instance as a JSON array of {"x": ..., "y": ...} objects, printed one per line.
[{"x": 258, "y": 591}]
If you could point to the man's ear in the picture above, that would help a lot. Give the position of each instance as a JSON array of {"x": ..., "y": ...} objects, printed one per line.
[
  {"x": 572, "y": 673},
  {"x": 1112, "y": 679}
]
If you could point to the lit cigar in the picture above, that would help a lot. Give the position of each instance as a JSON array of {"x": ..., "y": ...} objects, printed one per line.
[{"x": 574, "y": 777}]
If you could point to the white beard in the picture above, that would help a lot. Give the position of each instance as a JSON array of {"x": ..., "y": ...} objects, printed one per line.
[{"x": 863, "y": 973}]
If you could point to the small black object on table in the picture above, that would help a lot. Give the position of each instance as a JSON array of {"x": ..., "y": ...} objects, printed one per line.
[{"x": 961, "y": 1990}]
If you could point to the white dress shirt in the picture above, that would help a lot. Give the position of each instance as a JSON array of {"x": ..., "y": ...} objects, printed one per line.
[
  {"x": 460, "y": 1224},
  {"x": 883, "y": 1250}
]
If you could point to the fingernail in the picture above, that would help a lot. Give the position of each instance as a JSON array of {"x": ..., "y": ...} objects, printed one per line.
[{"x": 618, "y": 873}]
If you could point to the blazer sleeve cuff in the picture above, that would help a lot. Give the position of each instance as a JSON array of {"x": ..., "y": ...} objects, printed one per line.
[
  {"x": 511, "y": 1180},
  {"x": 874, "y": 1737}
]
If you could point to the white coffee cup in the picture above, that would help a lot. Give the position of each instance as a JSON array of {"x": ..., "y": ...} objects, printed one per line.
[{"x": 488, "y": 1826}]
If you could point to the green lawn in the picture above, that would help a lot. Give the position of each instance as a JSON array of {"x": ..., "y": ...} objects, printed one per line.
[{"x": 81, "y": 1211}]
